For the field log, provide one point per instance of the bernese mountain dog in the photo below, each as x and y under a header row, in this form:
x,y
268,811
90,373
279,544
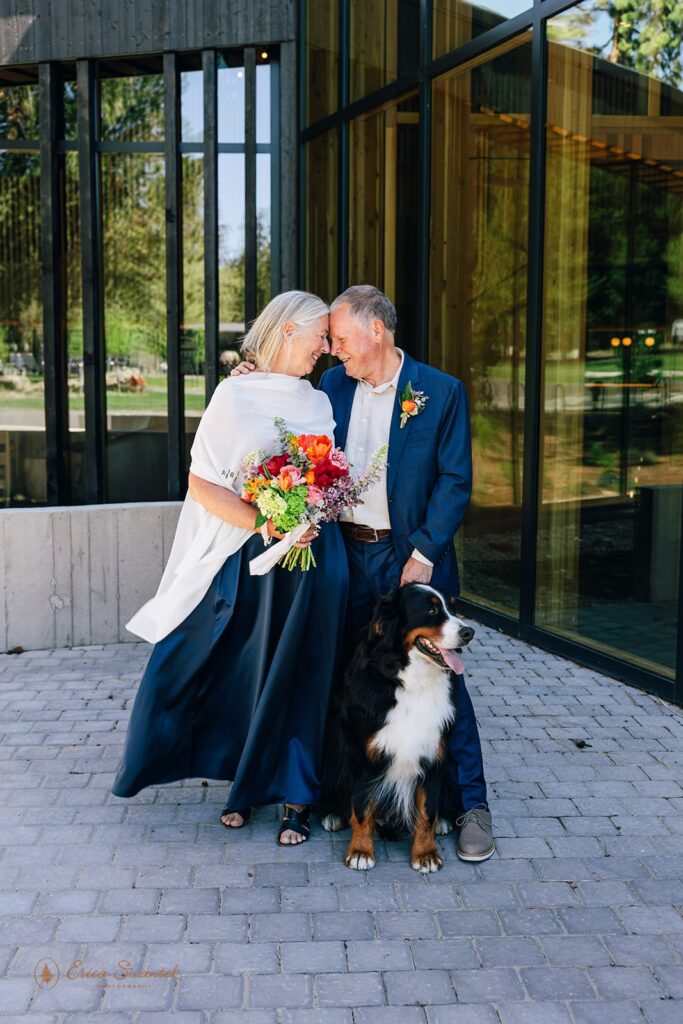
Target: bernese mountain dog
x,y
389,727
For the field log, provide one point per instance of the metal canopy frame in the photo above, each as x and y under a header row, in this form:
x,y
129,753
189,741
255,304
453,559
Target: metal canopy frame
x,y
535,18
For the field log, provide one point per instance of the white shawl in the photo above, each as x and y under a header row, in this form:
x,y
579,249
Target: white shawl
x,y
238,420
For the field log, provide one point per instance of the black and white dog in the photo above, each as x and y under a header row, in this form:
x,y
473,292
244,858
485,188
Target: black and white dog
x,y
389,727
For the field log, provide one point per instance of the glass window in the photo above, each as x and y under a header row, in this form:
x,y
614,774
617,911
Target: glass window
x,y
322,219
74,328
263,185
192,323
23,479
262,96
230,98
192,106
457,21
231,187
478,285
384,42
383,201
134,259
18,112
322,58
70,110
612,417
132,109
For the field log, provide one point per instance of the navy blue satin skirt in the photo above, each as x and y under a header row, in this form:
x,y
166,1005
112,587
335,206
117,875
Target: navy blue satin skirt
x,y
239,690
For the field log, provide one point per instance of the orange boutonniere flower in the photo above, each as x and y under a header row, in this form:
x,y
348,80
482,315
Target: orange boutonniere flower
x,y
412,403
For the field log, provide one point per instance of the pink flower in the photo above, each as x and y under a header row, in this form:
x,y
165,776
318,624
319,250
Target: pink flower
x,y
337,458
315,496
289,477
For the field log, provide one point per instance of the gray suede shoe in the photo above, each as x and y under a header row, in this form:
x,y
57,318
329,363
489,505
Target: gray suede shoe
x,y
475,841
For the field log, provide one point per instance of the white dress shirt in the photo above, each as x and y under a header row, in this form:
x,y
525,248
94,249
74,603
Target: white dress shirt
x,y
369,426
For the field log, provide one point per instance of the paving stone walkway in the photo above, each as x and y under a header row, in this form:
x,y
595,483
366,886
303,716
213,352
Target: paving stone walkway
x,y
577,918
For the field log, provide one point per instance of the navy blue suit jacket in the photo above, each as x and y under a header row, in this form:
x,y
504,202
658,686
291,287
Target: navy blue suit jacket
x,y
429,471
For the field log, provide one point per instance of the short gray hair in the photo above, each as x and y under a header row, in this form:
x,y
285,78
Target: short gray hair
x,y
367,303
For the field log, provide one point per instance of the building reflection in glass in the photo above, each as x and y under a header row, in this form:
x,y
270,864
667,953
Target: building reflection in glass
x,y
612,455
478,289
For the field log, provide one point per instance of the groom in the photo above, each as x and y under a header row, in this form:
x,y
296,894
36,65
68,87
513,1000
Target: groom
x,y
403,530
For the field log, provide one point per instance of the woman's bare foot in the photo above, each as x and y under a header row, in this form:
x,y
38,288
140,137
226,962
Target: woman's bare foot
x,y
233,819
289,836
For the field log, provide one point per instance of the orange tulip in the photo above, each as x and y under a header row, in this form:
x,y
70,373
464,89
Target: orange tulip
x,y
319,449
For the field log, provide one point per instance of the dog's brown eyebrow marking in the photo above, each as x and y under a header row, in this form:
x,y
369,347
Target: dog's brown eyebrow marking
x,y
435,599
426,631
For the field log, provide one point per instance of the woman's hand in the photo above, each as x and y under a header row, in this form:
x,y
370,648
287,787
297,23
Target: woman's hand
x,y
303,542
272,532
310,535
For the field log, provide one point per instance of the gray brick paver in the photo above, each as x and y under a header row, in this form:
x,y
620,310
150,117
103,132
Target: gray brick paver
x,y
578,917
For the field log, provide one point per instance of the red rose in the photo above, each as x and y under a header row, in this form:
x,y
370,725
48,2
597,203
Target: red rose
x,y
275,464
326,473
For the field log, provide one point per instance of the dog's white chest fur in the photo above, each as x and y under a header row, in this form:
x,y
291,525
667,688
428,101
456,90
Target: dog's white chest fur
x,y
412,731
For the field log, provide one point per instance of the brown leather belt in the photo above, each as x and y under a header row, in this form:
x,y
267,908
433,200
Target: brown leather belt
x,y
365,533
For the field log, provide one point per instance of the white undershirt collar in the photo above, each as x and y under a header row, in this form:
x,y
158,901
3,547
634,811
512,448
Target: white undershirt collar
x,y
393,383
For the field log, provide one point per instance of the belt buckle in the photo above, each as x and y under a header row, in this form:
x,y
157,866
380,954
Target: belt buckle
x,y
376,537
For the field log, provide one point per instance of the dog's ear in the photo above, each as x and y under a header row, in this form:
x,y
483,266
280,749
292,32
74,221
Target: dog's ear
x,y
385,616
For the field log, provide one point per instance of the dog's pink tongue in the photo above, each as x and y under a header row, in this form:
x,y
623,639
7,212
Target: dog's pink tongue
x,y
452,659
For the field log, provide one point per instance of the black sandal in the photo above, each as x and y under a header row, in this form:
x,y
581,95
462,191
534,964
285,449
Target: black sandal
x,y
294,821
246,815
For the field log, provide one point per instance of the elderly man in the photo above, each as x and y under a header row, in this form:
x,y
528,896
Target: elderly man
x,y
403,531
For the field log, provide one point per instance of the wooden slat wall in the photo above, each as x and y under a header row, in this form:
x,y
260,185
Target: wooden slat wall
x,y
44,30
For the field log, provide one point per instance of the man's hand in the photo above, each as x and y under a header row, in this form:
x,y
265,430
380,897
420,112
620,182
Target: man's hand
x,y
244,367
416,572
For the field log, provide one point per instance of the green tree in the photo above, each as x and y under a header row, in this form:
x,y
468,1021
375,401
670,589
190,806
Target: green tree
x,y
644,35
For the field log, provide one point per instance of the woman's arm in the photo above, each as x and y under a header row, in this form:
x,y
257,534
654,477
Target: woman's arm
x,y
222,503
228,506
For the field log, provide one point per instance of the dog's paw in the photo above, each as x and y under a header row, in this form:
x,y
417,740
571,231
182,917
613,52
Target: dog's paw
x,y
359,861
443,826
427,862
333,823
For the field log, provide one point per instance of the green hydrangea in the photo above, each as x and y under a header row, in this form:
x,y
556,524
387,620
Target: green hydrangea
x,y
270,503
294,511
286,508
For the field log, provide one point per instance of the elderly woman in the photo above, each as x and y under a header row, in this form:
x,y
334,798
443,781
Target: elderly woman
x,y
238,682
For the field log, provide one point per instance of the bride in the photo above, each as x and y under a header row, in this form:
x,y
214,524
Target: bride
x,y
238,682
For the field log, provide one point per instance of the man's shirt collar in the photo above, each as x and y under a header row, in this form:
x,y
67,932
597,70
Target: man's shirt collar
x,y
393,383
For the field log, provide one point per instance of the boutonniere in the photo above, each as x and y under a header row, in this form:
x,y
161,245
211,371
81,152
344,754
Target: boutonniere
x,y
412,403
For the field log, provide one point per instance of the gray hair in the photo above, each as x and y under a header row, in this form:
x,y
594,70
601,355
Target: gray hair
x,y
262,341
367,303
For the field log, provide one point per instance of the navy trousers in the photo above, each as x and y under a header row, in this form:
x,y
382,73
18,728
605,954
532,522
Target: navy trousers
x,y
374,570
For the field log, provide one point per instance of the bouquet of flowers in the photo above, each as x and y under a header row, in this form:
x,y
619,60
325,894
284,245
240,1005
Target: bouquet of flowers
x,y
307,483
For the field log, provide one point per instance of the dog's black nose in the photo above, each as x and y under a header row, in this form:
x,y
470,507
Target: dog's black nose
x,y
466,634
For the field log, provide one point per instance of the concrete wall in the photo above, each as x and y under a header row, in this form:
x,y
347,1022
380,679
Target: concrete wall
x,y
75,576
